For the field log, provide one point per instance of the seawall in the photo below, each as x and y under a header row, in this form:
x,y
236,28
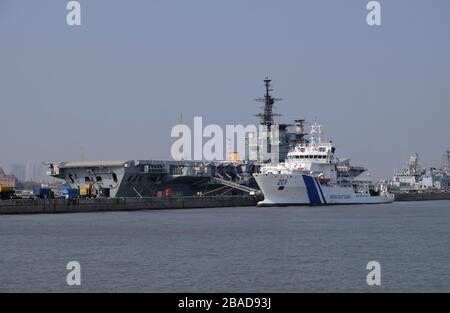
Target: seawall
x,y
426,196
37,206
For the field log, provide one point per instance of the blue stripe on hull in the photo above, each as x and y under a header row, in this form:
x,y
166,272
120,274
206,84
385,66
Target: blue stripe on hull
x,y
321,192
311,188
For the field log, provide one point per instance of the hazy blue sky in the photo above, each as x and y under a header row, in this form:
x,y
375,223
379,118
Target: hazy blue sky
x,y
116,84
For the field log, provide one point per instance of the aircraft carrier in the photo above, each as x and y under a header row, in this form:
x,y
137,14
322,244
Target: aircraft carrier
x,y
148,178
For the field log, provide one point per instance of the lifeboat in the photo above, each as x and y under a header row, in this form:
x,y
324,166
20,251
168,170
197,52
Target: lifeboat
x,y
324,181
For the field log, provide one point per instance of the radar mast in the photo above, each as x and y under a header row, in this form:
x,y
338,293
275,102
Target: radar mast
x,y
267,115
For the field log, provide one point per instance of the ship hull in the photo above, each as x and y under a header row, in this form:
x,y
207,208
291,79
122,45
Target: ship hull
x,y
300,189
152,178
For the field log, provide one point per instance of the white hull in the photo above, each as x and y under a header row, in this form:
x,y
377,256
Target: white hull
x,y
300,189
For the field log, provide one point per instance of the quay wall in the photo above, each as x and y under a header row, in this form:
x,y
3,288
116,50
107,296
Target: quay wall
x,y
36,206
426,196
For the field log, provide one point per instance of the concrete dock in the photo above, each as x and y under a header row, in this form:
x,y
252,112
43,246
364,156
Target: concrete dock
x,y
37,206
425,196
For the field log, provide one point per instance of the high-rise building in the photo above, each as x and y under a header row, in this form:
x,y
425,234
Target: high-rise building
x,y
19,170
34,172
446,162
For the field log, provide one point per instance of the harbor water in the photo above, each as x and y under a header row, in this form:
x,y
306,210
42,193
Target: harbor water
x,y
294,249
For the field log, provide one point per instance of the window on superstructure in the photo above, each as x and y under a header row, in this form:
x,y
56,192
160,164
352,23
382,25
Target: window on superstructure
x,y
114,176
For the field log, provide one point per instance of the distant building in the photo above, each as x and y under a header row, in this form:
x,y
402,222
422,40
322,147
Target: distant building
x,y
446,162
7,180
19,170
34,172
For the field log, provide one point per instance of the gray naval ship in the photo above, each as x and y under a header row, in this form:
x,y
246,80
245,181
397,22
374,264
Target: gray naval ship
x,y
150,178
414,178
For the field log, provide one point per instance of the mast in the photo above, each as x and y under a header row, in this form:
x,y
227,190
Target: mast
x,y
267,115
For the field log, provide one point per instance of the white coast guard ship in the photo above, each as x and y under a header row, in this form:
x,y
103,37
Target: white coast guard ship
x,y
312,175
